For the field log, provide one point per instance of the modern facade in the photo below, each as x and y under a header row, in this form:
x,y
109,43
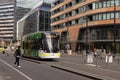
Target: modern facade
x,y
87,23
38,19
7,8
20,12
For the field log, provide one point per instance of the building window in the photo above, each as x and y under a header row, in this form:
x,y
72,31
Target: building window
x,y
100,5
108,4
68,5
73,2
73,13
108,15
103,4
117,15
118,33
73,22
112,15
77,1
97,5
117,2
77,21
76,11
100,16
104,16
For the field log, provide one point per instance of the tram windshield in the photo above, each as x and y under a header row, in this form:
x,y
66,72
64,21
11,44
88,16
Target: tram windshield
x,y
52,42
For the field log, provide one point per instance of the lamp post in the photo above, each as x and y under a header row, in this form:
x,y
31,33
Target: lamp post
x,y
87,45
68,45
114,27
67,29
87,36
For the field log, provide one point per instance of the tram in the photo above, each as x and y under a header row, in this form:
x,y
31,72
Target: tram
x,y
44,45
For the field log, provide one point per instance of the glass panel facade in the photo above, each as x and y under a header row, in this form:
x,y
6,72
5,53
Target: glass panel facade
x,y
100,36
106,16
37,19
103,4
44,20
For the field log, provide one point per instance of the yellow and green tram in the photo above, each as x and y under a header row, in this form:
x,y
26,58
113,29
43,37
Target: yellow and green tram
x,y
44,45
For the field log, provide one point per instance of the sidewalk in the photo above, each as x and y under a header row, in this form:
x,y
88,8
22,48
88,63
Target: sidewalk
x,y
1,78
89,70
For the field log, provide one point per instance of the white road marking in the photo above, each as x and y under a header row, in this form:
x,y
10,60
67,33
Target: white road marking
x,y
93,65
16,70
8,77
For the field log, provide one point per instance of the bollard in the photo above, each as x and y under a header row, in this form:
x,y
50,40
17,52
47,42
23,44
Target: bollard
x,y
96,61
89,58
108,59
69,52
118,58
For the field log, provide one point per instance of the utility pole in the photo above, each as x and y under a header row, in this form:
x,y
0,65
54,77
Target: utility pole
x,y
114,27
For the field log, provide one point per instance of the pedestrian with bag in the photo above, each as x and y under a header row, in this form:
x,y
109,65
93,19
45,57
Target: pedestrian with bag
x,y
17,55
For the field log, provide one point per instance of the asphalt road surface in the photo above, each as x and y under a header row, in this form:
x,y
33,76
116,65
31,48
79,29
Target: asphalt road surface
x,y
32,71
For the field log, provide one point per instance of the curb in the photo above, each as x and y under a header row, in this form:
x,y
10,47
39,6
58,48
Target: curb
x,y
82,73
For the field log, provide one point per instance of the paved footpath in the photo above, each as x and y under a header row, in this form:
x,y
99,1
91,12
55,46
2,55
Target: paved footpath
x,y
90,70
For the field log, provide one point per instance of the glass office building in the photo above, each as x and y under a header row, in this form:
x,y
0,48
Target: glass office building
x,y
38,19
88,23
7,8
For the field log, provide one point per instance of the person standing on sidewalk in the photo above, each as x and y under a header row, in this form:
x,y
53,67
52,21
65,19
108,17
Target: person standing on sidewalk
x,y
103,54
17,55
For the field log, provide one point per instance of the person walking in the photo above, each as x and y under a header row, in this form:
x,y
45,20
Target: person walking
x,y
17,55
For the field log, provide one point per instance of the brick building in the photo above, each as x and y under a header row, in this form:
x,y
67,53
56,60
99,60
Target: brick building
x,y
88,23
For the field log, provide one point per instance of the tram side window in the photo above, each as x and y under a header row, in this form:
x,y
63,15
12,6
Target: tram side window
x,y
36,44
45,45
26,45
55,44
40,45
23,45
33,44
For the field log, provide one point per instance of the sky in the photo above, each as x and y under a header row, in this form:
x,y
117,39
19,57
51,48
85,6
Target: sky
x,y
30,3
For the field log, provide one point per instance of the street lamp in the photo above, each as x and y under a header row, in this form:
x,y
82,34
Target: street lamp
x,y
87,35
68,45
114,27
67,29
87,45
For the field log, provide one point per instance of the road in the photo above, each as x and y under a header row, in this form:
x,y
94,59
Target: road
x,y
32,71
